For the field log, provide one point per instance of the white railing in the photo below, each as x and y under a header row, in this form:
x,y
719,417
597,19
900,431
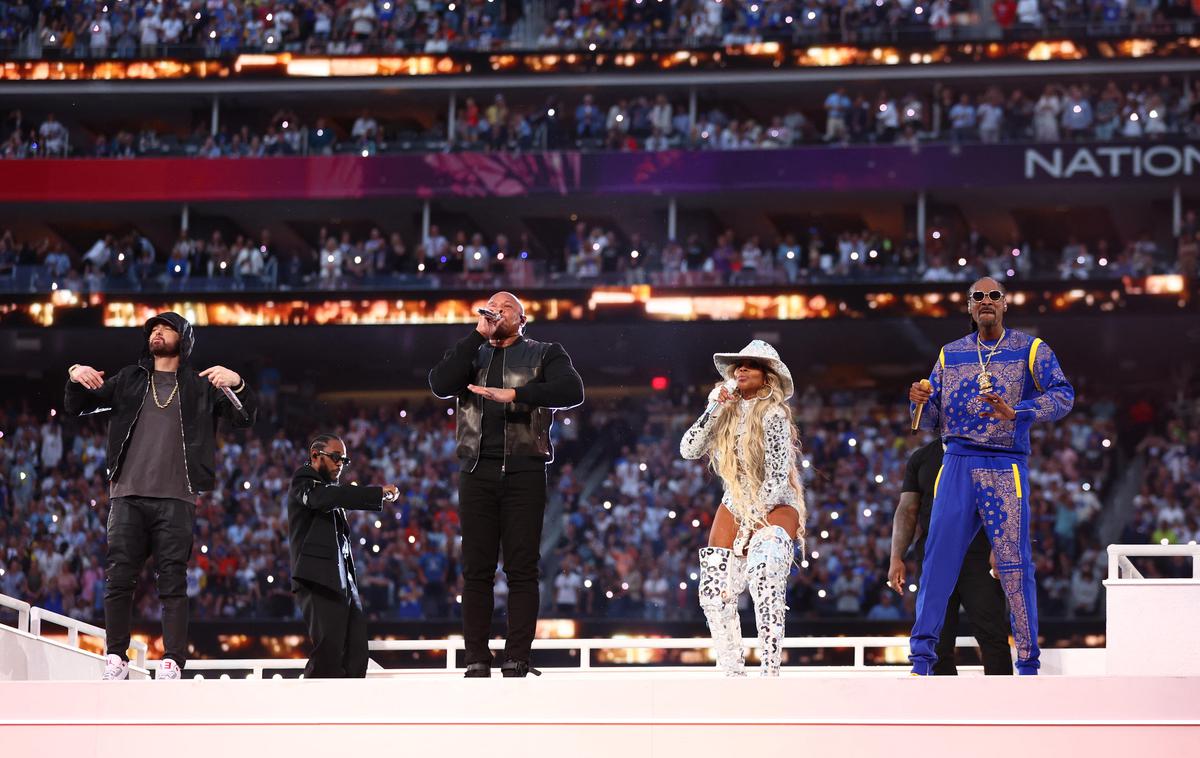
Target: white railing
x,y
258,666
74,627
1121,568
22,609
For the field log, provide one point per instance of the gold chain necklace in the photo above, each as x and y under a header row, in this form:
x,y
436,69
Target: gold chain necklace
x,y
985,378
154,391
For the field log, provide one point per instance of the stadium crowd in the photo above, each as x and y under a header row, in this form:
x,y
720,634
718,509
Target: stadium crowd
x,y
127,29
592,254
627,529
1163,108
341,259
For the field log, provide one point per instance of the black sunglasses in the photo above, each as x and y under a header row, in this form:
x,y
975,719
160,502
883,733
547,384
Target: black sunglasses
x,y
334,457
994,295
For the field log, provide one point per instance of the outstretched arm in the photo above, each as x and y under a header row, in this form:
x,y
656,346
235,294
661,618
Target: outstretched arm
x,y
323,497
88,391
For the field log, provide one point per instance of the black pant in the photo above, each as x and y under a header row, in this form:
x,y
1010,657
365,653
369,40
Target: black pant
x,y
983,598
337,629
137,528
500,511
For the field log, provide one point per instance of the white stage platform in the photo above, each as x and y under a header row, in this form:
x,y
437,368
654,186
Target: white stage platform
x,y
1139,696
603,715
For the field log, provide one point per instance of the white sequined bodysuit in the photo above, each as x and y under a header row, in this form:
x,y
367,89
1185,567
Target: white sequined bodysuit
x,y
776,488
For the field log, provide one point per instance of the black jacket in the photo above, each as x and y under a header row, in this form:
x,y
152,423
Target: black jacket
x,y
544,380
201,406
317,527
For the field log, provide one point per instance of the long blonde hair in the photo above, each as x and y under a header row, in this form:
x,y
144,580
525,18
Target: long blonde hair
x,y
742,485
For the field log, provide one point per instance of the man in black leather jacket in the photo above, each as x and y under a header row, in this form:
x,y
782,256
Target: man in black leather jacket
x,y
506,388
323,575
161,453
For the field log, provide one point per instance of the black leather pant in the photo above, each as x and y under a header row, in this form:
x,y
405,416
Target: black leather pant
x,y
500,511
139,527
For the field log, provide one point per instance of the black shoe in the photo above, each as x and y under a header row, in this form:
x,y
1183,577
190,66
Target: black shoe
x,y
518,668
478,670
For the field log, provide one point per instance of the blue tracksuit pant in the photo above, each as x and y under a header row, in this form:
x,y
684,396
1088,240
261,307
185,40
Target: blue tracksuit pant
x,y
978,489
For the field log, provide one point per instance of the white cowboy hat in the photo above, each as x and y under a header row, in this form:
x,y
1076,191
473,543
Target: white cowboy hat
x,y
759,352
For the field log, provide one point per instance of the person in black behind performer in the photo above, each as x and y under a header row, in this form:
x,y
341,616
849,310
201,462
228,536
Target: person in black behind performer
x,y
977,590
507,388
161,454
323,574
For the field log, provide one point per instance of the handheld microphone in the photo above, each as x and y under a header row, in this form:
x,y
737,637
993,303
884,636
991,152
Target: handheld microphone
x,y
233,398
489,315
916,422
730,385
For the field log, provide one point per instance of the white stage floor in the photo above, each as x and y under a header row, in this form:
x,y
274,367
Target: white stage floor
x,y
605,715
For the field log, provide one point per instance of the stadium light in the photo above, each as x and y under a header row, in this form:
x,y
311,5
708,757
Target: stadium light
x,y
820,593
824,534
867,512
815,554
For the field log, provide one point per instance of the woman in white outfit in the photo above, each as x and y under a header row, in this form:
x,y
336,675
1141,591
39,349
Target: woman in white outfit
x,y
752,444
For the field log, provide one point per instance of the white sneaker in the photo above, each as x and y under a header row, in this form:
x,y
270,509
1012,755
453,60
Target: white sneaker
x,y
168,669
116,668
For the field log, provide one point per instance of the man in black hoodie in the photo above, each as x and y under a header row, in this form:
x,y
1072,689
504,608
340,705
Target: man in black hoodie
x,y
323,575
162,424
506,388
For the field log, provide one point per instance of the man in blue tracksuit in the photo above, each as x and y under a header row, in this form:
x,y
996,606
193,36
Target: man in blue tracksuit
x,y
985,391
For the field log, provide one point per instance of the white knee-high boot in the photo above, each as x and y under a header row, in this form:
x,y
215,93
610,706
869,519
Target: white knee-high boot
x,y
722,579
767,564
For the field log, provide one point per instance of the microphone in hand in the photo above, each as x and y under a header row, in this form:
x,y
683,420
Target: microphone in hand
x,y
919,393
729,387
233,399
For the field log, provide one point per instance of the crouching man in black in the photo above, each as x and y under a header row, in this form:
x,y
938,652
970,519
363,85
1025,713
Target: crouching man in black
x,y
323,575
507,388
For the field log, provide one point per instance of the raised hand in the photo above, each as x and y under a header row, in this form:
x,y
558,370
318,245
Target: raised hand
x,y
486,326
220,376
88,377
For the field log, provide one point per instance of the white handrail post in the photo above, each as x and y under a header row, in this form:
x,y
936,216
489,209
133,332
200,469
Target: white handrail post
x,y
73,636
860,655
1114,571
35,621
585,656
451,654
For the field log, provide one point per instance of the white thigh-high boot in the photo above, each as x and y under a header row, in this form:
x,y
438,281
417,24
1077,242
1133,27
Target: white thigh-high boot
x,y
722,579
767,564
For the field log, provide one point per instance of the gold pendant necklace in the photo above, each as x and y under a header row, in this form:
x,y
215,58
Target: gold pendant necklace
x,y
154,391
985,378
